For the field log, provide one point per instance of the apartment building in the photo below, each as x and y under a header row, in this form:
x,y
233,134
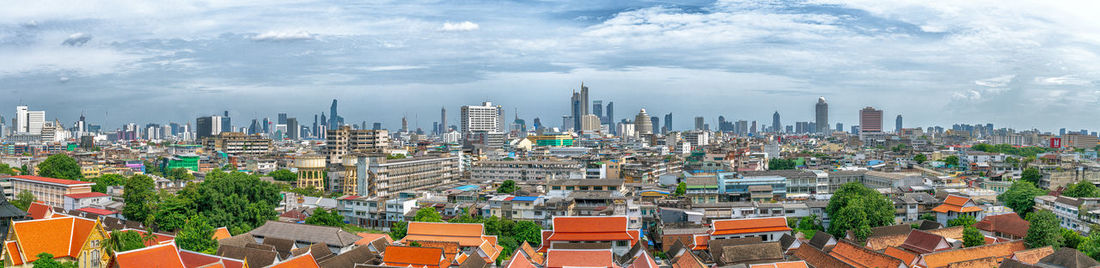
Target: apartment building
x,y
345,140
236,143
50,191
525,170
379,176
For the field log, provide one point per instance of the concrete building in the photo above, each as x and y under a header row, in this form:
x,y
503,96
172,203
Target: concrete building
x,y
525,170
50,191
379,176
821,115
345,140
237,143
870,123
642,124
311,170
482,118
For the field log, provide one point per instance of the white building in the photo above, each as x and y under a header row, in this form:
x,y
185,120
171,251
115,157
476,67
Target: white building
x,y
485,118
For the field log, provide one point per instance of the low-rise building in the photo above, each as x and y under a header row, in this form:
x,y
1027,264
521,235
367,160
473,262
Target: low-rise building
x,y
50,191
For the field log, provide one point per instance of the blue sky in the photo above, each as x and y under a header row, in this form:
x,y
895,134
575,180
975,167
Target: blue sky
x,y
1015,64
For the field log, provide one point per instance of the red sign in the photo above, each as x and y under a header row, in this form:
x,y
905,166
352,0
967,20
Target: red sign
x,y
1056,143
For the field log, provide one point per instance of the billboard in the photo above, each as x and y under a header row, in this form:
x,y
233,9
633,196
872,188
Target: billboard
x,y
1056,143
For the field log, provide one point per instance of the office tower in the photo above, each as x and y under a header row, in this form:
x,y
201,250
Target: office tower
x,y
481,118
442,120
870,121
537,124
699,123
29,121
610,118
566,122
584,99
668,123
334,119
314,128
2,126
597,108
282,119
897,124
654,121
776,126
376,126
267,125
752,129
855,130
293,131
204,127
821,112
590,124
404,124
1062,132
254,127
21,120
226,125
839,127
643,125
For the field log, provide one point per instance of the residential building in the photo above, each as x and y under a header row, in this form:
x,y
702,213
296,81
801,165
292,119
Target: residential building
x,y
50,191
821,116
344,140
69,239
237,143
525,170
954,206
379,176
870,123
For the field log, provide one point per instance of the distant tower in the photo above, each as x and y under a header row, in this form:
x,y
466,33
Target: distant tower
x,y
442,120
597,108
897,124
870,121
610,111
668,123
404,124
699,121
821,112
334,119
643,125
776,126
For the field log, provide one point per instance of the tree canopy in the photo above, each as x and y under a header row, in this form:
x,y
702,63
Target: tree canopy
x,y
858,208
235,200
325,217
1009,149
60,166
972,237
680,189
283,175
428,214
127,240
398,230
781,164
45,260
1081,189
6,169
507,187
920,158
180,174
106,180
962,220
1043,230
951,161
1020,197
197,235
23,200
140,197
1031,175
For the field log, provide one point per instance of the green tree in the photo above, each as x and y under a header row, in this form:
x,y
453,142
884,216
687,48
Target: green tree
x,y
507,187
1081,189
780,164
45,260
1043,230
680,189
1070,238
6,169
920,158
23,200
172,213
1012,161
235,200
60,166
858,208
140,197
106,180
126,240
927,216
1031,175
283,175
428,214
1090,245
398,230
197,235
23,170
972,237
528,231
951,161
326,218
180,174
1020,197
962,220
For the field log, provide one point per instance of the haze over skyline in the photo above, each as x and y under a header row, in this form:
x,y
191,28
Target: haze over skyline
x,y
1021,65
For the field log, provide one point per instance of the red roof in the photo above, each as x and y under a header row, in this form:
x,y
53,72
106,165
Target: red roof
x,y
957,204
52,180
97,211
413,257
557,258
1010,223
166,256
301,261
39,210
748,226
86,195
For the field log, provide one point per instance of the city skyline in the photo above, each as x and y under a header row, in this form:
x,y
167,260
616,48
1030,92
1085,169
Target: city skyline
x,y
937,64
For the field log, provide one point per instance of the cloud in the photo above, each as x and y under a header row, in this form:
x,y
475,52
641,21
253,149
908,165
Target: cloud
x,y
394,68
1062,80
283,36
464,26
77,39
999,81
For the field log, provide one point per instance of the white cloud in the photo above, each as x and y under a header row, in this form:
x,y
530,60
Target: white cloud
x,y
1062,80
283,36
393,68
999,81
77,39
464,26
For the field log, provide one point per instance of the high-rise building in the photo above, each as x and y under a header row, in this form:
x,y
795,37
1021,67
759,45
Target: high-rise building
x,y
776,126
590,124
27,121
870,121
668,123
267,125
226,125
344,140
253,128
404,124
643,125
482,118
204,127
293,130
597,109
442,120
584,99
654,121
610,118
821,115
282,119
314,129
897,124
699,123
752,129
334,119
839,127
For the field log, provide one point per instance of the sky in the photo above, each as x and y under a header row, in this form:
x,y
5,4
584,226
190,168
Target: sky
x,y
1019,64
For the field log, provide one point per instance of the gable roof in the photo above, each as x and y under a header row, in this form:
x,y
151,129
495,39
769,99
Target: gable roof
x,y
221,233
301,261
750,225
944,258
592,228
530,253
466,234
749,253
60,237
1032,256
333,236
198,259
473,263
1009,223
902,229
922,242
817,258
358,255
52,181
786,264
164,256
413,256
957,203
557,258
39,210
254,257
858,256
520,261
1069,258
821,240
718,247
319,251
644,261
688,260
905,256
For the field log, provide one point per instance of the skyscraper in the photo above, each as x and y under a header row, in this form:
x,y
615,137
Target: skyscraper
x,y
610,118
576,109
404,124
776,126
584,99
597,109
204,127
654,121
482,118
897,124
293,131
821,112
226,125
267,125
334,119
668,123
699,123
442,120
282,119
870,121
643,125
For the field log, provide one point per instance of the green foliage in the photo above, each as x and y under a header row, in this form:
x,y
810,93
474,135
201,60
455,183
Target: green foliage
x,y
308,191
23,200
1081,189
106,180
197,235
428,214
962,220
780,164
1090,245
45,260
23,170
140,198
900,148
236,200
1012,161
180,174
920,158
1009,149
172,213
857,208
1043,230
395,156
808,226
527,231
414,244
507,187
126,240
927,216
60,166
6,169
1071,238
326,218
398,230
284,175
1031,175
951,161
680,189
1020,197
972,237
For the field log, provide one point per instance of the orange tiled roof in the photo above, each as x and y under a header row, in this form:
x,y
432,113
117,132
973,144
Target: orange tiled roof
x,y
369,237
13,250
944,258
788,264
39,210
52,180
193,259
492,250
557,258
413,256
700,242
466,234
532,255
904,256
646,261
1032,256
957,204
596,228
520,261
688,260
859,256
161,256
300,261
746,226
61,237
1009,223
221,233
